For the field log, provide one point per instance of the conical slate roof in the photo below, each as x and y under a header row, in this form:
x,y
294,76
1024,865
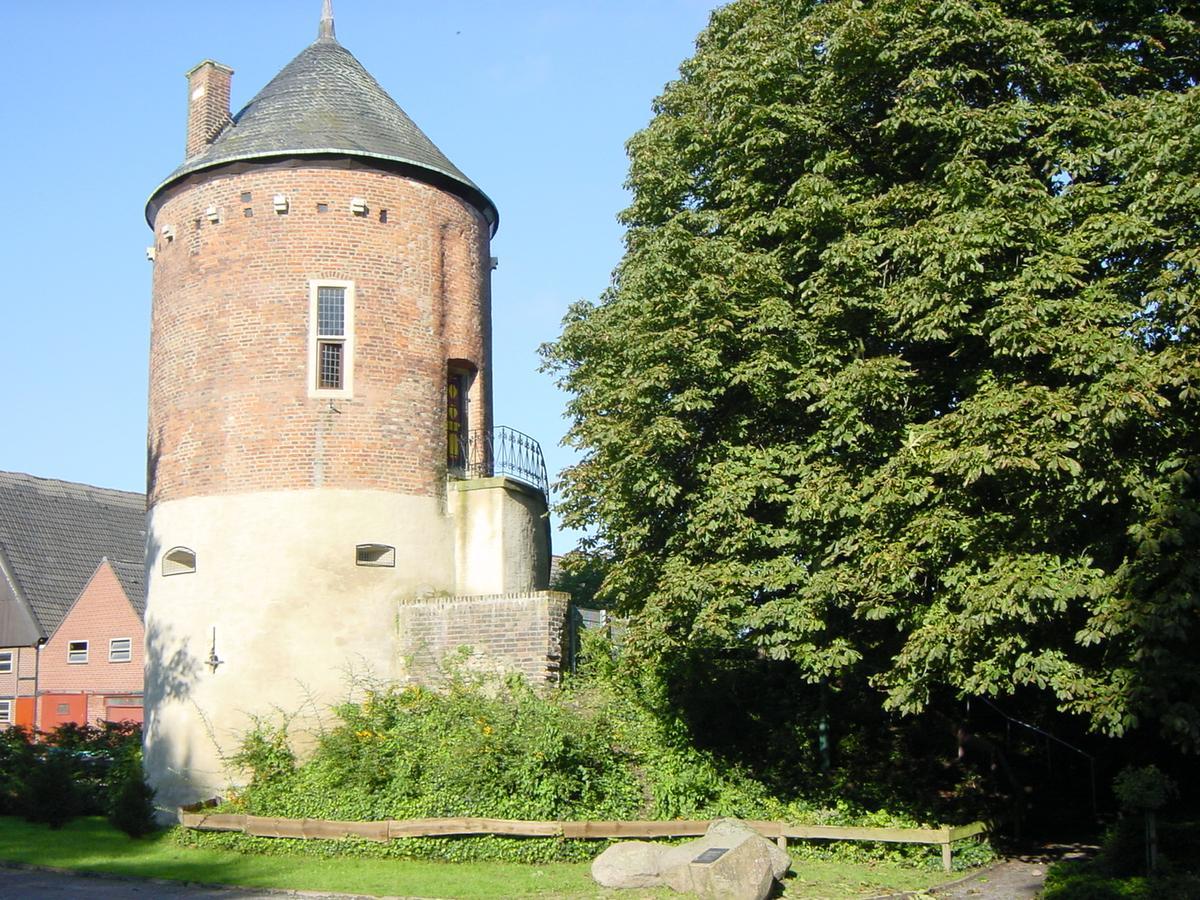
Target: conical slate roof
x,y
325,103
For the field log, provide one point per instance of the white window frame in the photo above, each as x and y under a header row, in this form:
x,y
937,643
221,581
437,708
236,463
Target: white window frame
x,y
6,661
120,656
6,712
315,340
74,650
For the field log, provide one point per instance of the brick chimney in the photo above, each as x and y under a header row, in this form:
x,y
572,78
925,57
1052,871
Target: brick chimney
x,y
208,104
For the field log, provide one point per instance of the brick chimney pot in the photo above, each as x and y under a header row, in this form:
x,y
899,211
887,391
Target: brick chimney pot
x,y
208,104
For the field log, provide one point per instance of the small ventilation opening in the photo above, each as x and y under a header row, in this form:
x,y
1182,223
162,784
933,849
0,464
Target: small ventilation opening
x,y
179,561
374,555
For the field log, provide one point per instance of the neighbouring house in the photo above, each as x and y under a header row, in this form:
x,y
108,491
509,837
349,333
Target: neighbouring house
x,y
72,597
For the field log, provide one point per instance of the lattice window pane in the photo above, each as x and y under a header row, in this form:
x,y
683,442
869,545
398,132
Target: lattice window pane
x,y
331,365
331,312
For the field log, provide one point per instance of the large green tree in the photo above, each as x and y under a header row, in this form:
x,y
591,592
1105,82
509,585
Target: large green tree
x,y
898,375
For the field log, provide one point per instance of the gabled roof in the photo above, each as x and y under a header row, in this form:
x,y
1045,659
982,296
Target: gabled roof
x,y
325,103
53,534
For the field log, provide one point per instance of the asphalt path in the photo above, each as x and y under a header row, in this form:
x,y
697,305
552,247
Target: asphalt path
x,y
57,884
1019,877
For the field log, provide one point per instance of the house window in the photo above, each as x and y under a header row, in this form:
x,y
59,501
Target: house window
x,y
6,661
179,561
77,651
5,712
331,338
120,650
374,555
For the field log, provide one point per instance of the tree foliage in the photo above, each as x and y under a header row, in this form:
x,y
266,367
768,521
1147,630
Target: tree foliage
x,y
898,375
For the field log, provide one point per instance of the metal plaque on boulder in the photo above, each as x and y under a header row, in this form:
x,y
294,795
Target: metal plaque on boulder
x,y
711,855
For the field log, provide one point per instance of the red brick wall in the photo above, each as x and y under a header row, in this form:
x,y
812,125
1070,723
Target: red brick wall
x,y
229,368
208,104
506,632
101,613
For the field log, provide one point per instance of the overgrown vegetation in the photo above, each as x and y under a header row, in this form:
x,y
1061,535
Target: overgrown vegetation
x,y
76,770
605,746
896,378
1119,871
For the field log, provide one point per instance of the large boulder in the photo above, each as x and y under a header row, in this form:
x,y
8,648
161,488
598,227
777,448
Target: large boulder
x,y
731,862
629,864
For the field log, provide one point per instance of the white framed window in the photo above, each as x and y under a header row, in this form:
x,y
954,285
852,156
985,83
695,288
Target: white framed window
x,y
77,652
330,338
6,661
120,650
5,712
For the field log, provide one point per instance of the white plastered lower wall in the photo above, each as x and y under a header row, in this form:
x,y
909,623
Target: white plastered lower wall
x,y
502,538
294,616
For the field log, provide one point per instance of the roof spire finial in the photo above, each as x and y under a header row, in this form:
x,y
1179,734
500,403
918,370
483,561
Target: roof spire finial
x,y
325,30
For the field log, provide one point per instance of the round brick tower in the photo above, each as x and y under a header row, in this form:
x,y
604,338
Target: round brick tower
x,y
320,354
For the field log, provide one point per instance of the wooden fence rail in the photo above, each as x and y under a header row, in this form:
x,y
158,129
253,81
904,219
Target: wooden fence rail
x,y
321,829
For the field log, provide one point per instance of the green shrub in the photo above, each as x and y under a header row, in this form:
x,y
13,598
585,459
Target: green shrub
x,y
1143,789
600,747
1118,869
17,759
50,795
65,773
92,752
130,799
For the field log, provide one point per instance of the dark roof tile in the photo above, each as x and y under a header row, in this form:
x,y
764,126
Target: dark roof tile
x,y
325,102
54,534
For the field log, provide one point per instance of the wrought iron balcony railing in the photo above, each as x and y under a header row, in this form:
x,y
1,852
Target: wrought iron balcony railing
x,y
500,451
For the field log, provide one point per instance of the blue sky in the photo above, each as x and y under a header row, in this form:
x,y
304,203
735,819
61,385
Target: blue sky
x,y
532,100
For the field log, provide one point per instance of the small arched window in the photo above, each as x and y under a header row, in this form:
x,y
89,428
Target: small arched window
x,y
374,555
179,561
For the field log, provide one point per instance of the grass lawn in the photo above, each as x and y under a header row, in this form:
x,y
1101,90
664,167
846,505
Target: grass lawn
x,y
92,845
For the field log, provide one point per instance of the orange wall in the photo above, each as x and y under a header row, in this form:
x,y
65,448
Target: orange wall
x,y
23,712
58,709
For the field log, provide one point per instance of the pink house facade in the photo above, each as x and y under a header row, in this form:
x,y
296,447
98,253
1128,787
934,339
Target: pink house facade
x,y
72,601
94,660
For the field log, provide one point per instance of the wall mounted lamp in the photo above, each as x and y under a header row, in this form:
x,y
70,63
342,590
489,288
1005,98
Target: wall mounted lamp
x,y
213,661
